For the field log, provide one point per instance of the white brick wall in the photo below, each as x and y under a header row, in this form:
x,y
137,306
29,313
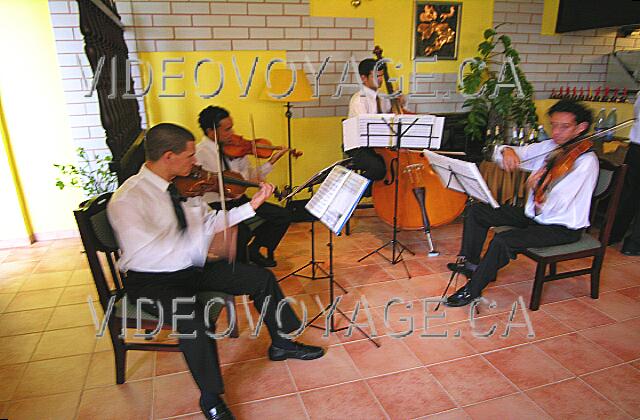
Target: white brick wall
x,y
575,59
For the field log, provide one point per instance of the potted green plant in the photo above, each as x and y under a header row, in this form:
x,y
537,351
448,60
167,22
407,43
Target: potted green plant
x,y
506,106
91,175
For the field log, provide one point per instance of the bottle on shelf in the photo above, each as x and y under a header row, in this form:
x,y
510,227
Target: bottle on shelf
x,y
496,136
533,136
574,95
610,121
581,95
560,93
521,141
623,97
605,95
542,135
596,95
553,94
614,95
599,125
514,137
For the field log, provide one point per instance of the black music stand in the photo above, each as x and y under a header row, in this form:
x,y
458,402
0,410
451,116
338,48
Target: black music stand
x,y
397,247
463,177
317,271
332,327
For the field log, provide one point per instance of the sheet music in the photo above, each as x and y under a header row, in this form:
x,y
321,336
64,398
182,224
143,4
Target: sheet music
x,y
313,180
467,179
337,197
380,130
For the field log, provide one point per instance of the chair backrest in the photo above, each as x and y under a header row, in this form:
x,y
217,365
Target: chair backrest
x,y
100,244
609,188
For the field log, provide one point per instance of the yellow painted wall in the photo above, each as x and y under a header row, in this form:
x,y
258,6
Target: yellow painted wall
x,y
394,30
550,17
318,138
34,112
15,227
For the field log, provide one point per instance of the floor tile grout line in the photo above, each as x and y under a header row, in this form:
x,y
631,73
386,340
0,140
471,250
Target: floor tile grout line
x,y
604,396
297,390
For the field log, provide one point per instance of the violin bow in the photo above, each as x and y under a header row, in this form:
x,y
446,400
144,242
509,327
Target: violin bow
x,y
595,135
253,144
223,204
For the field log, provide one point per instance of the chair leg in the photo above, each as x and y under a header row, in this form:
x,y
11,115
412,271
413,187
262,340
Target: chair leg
x,y
553,269
595,276
534,304
230,303
347,228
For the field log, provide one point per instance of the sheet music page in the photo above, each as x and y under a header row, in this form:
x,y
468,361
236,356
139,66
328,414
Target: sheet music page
x,y
467,179
327,192
380,130
334,209
345,202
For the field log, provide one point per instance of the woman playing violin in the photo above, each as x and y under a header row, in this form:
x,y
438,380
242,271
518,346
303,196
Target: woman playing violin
x,y
217,124
556,219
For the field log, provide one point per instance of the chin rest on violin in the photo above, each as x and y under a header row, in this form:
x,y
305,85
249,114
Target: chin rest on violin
x,y
201,181
238,146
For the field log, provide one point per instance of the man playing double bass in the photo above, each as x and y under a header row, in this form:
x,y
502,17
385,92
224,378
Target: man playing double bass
x,y
367,101
559,220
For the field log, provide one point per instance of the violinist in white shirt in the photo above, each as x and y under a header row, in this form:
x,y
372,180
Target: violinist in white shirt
x,y
217,125
559,220
164,240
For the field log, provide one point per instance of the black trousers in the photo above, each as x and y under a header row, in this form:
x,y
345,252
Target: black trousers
x,y
268,235
369,162
629,206
201,352
479,217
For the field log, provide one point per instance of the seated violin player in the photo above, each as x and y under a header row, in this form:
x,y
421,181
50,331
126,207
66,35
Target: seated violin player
x,y
164,240
558,219
217,125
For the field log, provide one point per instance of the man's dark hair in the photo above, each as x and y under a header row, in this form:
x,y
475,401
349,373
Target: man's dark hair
x,y
579,111
211,116
366,66
165,137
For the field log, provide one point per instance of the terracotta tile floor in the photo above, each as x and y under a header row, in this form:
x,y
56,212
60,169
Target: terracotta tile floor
x,y
582,362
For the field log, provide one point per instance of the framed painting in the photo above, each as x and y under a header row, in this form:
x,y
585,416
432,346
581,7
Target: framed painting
x,y
436,30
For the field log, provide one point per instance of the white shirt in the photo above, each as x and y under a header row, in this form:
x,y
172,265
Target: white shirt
x,y
207,156
569,201
634,134
364,102
145,224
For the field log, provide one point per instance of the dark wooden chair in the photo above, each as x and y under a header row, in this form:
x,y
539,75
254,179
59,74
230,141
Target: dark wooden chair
x,y
102,253
608,189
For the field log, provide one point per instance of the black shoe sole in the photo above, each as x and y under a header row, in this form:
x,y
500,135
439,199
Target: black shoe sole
x,y
306,356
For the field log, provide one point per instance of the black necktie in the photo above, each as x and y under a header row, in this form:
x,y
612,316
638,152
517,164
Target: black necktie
x,y
176,199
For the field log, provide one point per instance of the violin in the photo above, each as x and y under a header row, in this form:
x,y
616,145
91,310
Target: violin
x,y
561,162
238,146
201,181
557,167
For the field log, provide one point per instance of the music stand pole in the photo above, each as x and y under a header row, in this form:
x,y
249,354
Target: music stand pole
x,y
332,281
394,241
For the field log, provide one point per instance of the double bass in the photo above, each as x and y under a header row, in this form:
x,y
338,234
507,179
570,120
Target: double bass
x,y
420,190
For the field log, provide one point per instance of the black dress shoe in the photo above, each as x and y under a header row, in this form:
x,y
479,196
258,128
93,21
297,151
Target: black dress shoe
x,y
460,268
630,252
300,351
219,412
460,298
258,259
